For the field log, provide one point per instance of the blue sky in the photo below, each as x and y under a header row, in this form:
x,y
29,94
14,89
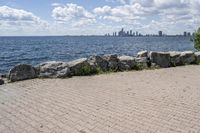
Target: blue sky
x,y
88,17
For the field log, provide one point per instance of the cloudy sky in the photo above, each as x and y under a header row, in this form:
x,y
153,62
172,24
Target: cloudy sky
x,y
97,17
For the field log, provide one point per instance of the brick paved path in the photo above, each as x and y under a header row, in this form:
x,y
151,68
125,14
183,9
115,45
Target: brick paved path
x,y
166,100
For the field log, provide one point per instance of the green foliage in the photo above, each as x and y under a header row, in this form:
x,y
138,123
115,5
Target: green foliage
x,y
172,64
89,70
139,66
197,40
86,70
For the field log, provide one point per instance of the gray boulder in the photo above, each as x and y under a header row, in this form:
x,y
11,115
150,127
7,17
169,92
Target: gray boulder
x,y
22,72
53,69
1,81
197,56
81,67
63,73
161,59
142,54
112,61
141,63
187,57
98,62
175,59
126,63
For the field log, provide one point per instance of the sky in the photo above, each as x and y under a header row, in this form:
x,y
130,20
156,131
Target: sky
x,y
97,17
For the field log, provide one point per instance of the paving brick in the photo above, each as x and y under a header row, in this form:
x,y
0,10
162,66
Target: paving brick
x,y
120,103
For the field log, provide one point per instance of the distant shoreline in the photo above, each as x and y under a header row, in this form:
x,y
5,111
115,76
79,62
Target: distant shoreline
x,y
99,36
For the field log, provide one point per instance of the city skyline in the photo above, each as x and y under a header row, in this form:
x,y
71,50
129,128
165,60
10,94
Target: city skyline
x,y
86,17
132,33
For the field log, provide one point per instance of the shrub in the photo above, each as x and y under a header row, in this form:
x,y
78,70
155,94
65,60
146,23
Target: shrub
x,y
197,40
87,70
139,66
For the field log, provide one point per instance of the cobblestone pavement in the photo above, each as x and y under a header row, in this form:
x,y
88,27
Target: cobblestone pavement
x,y
155,101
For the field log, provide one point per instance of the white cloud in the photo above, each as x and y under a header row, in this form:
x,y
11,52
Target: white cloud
x,y
73,14
56,4
120,1
127,13
15,20
170,15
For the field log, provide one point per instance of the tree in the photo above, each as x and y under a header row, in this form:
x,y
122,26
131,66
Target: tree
x,y
197,40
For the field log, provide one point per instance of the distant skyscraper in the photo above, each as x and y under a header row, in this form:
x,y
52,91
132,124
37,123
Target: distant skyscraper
x,y
131,32
127,33
160,33
185,33
188,34
136,33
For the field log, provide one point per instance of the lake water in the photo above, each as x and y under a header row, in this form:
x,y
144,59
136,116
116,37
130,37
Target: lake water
x,y
34,50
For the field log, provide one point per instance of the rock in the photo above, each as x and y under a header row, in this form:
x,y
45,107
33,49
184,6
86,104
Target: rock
x,y
162,59
197,56
22,72
81,67
112,61
64,73
142,54
187,57
51,66
53,69
1,82
142,63
98,62
3,75
126,63
175,58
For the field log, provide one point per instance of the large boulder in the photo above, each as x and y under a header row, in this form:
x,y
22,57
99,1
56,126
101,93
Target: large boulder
x,y
175,59
197,56
64,73
161,59
142,63
112,61
53,69
22,72
187,57
142,54
98,62
81,67
126,63
1,81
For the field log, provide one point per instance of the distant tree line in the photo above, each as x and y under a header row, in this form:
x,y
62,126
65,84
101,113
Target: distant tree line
x,y
197,40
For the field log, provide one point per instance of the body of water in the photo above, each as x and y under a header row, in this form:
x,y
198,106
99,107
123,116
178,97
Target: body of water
x,y
34,50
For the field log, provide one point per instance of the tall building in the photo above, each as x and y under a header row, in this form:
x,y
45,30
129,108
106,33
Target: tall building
x,y
121,33
160,33
184,33
131,32
127,33
188,34
115,33
136,33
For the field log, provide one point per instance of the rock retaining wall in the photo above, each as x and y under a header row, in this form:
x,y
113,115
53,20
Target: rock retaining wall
x,y
106,63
